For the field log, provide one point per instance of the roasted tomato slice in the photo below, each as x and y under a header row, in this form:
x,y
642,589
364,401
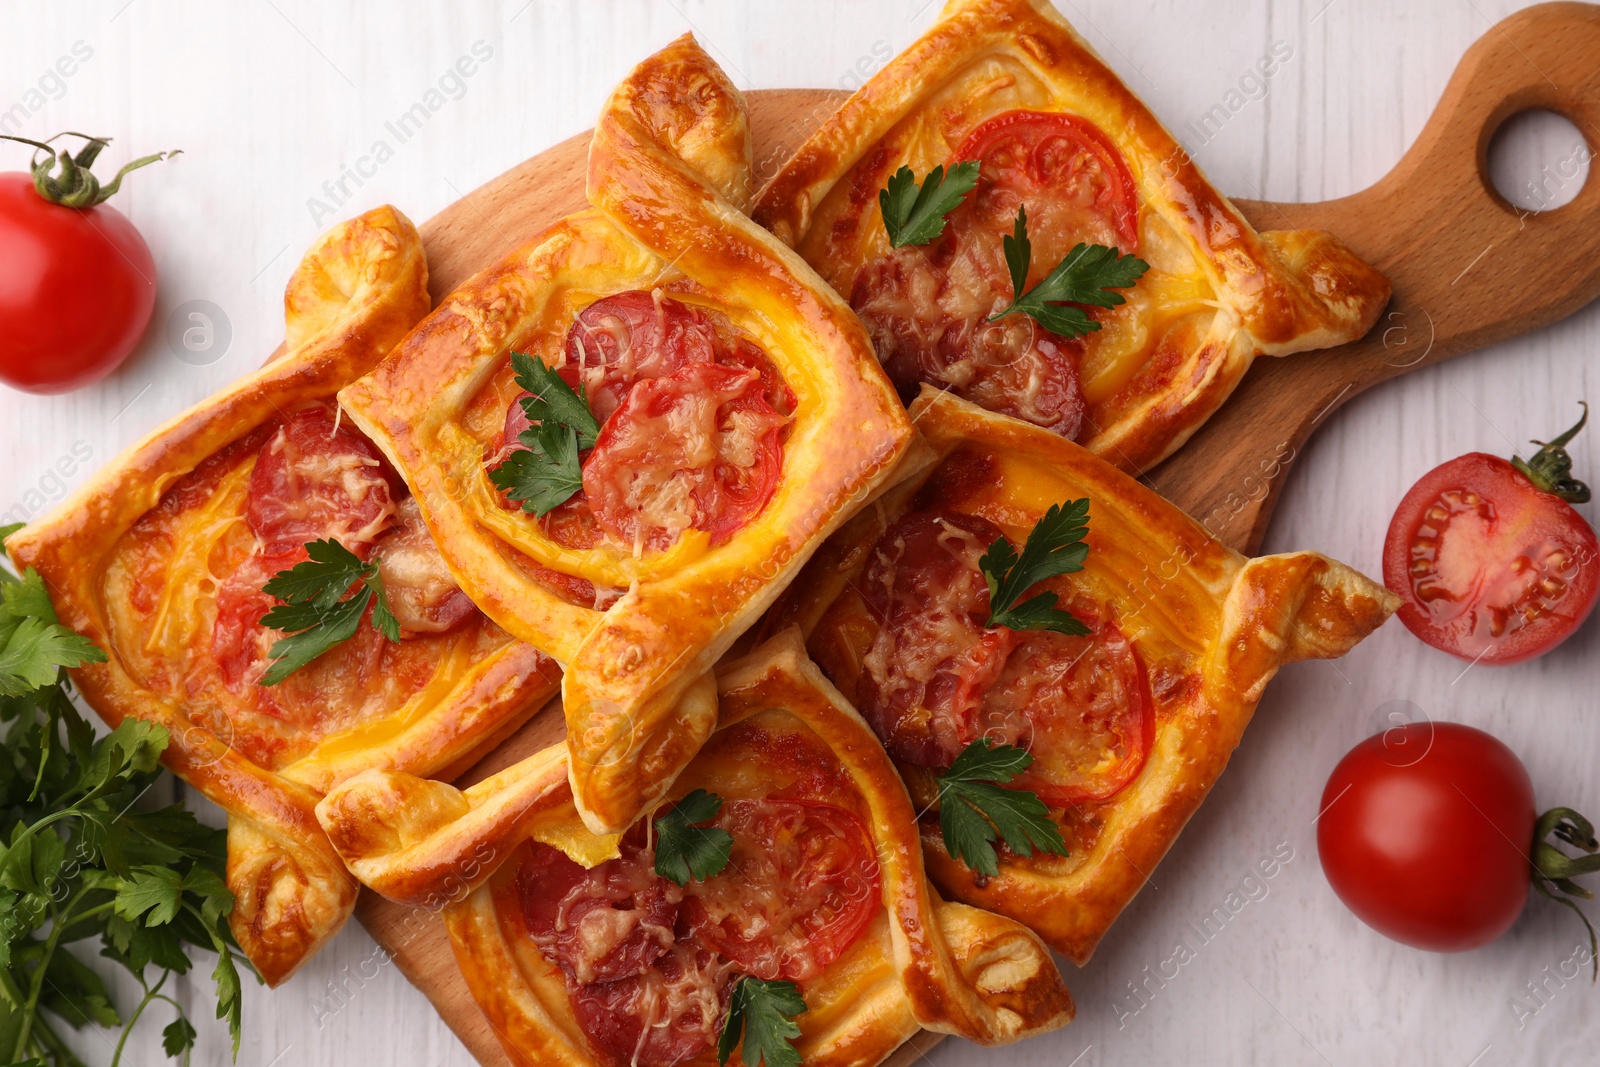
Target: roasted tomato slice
x,y
927,309
691,417
366,674
1490,566
1075,183
697,449
935,678
421,592
316,478
798,890
1081,705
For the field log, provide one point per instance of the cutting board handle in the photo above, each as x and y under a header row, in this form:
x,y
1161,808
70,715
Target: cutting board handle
x,y
1481,268
1468,267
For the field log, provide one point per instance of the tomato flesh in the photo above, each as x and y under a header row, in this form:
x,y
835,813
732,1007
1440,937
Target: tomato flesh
x,y
1488,566
927,308
799,888
936,678
1425,832
77,286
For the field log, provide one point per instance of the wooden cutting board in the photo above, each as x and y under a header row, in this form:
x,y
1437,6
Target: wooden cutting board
x,y
1468,270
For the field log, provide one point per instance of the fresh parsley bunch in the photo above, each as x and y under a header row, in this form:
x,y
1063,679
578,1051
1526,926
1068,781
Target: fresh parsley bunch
x,y
80,863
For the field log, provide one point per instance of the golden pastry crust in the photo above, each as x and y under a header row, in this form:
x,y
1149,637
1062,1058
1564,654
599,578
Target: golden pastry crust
x,y
1211,626
921,962
668,178
128,563
1218,293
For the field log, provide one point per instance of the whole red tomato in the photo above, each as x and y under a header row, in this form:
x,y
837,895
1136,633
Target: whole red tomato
x,y
1490,559
1428,833
77,282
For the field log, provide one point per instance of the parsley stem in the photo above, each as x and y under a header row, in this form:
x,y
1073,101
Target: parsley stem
x,y
150,994
45,1037
59,920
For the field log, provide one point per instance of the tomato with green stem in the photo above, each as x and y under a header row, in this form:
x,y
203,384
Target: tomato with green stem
x,y
1489,557
77,281
1429,834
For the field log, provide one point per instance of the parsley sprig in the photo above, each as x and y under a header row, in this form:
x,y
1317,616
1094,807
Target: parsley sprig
x,y
763,1011
317,612
82,861
915,216
685,850
1055,546
546,473
1088,275
975,809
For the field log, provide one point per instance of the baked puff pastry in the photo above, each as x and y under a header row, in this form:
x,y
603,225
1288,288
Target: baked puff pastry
x,y
581,955
1009,84
1129,726
160,560
736,415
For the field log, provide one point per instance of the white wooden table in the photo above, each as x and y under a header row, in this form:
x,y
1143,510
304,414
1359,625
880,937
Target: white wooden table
x,y
276,102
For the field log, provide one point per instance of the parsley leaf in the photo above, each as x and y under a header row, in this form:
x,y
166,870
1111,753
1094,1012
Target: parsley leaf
x,y
974,811
763,1011
553,399
1055,546
177,1037
685,850
315,609
1088,275
914,216
33,645
545,473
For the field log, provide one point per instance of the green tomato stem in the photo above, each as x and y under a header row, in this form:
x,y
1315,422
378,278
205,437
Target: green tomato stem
x,y
1553,869
74,184
1550,469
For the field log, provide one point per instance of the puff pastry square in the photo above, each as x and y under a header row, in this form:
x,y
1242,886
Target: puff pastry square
x,y
160,560
787,746
1129,727
638,614
1010,83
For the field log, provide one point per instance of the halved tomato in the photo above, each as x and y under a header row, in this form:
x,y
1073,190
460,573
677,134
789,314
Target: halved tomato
x,y
1491,566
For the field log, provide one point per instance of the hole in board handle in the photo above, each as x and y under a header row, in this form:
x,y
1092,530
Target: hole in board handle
x,y
1538,160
